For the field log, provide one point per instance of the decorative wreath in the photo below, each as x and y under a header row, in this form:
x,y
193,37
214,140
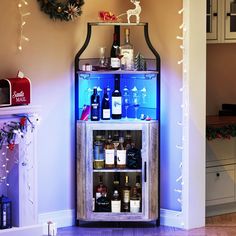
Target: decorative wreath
x,y
67,10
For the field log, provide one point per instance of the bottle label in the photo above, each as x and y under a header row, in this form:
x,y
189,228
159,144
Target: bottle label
x,y
127,61
109,156
134,206
115,206
106,114
121,157
95,111
115,62
98,195
116,105
126,196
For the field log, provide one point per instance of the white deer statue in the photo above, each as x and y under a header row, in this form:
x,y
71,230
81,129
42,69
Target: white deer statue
x,y
133,12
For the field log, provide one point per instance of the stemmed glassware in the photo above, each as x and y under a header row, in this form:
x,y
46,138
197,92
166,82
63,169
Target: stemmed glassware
x,y
126,100
136,102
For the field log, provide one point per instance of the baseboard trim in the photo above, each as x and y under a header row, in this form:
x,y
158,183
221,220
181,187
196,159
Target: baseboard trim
x,y
66,218
220,209
171,218
62,218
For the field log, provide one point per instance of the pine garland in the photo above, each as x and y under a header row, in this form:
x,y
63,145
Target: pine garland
x,y
224,132
62,11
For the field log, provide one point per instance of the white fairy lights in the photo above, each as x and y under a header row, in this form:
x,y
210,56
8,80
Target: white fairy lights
x,y
23,16
184,107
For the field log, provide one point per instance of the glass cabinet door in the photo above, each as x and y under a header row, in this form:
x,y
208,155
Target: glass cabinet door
x,y
230,19
212,19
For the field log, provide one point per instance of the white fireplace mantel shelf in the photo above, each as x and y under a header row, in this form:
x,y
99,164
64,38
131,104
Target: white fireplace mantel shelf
x,y
19,110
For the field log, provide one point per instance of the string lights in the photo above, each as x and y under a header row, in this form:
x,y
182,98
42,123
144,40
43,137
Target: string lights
x,y
23,16
184,107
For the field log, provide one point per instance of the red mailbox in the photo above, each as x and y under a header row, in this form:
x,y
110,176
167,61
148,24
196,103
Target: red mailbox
x,y
15,91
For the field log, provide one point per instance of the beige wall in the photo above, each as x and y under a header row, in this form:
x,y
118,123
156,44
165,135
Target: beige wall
x,y
47,59
221,77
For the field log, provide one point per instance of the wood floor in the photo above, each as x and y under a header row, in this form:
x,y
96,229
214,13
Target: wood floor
x,y
224,225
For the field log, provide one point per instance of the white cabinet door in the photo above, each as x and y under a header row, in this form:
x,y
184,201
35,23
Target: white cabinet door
x,y
230,19
212,19
220,185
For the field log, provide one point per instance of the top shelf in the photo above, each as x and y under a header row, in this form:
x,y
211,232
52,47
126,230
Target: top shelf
x,y
116,24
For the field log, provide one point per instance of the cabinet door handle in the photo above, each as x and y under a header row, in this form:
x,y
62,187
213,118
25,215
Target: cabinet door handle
x,y
218,174
231,14
145,171
215,14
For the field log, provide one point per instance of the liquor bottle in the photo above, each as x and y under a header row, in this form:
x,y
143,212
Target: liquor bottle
x,y
127,52
103,203
133,158
115,202
138,185
109,153
98,153
116,100
121,154
134,201
116,181
100,188
128,141
95,105
106,111
126,195
115,60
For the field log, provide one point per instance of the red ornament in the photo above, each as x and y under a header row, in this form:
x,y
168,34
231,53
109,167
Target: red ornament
x,y
11,146
23,121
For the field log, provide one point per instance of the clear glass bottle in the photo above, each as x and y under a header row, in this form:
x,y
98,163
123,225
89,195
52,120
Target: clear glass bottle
x,y
127,52
115,202
126,195
109,153
98,153
135,200
121,154
128,140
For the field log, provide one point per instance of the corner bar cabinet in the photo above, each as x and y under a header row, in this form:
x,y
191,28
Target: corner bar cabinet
x,y
146,134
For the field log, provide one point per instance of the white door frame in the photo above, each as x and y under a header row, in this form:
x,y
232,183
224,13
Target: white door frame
x,y
194,114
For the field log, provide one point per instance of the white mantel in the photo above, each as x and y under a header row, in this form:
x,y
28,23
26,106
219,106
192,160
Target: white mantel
x,y
23,177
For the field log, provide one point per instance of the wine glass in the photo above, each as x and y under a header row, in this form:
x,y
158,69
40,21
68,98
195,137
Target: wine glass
x,y
135,97
126,100
144,95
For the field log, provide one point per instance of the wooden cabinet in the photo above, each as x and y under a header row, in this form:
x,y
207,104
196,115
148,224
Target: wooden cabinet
x,y
221,21
146,138
145,134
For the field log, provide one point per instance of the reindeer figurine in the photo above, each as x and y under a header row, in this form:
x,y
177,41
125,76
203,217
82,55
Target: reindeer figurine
x,y
133,12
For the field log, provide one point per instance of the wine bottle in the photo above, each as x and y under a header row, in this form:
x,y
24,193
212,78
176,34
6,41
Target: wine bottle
x,y
127,52
121,154
115,202
115,60
106,111
116,100
109,153
134,201
126,195
103,203
95,105
100,188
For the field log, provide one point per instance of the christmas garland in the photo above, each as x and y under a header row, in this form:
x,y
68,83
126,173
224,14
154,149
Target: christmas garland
x,y
224,132
66,11
11,130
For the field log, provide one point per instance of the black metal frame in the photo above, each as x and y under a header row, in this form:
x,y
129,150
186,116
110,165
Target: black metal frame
x,y
158,68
